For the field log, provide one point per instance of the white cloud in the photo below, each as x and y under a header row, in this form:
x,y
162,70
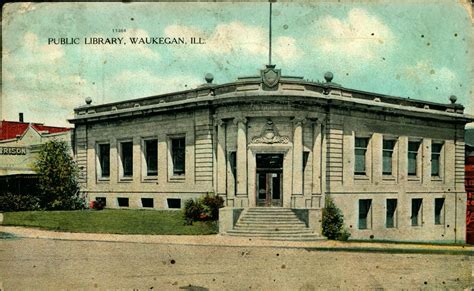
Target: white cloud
x,y
238,39
424,71
359,35
286,50
42,53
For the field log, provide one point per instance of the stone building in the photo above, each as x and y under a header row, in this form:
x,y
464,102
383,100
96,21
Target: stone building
x,y
394,166
20,141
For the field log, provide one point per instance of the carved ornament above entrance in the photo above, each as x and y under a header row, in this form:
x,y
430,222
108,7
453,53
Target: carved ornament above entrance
x,y
270,135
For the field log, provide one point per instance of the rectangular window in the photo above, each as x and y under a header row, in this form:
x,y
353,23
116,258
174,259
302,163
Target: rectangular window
x,y
122,202
360,149
413,147
126,157
104,160
435,158
151,157
147,202
439,211
178,154
364,213
416,210
390,221
387,155
173,203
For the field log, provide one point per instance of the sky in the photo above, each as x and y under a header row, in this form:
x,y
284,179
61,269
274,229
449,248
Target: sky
x,y
416,49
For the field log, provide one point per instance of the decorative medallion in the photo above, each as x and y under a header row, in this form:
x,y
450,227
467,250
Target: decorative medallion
x,y
270,135
270,76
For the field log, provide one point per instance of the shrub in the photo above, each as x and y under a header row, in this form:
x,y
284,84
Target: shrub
x,y
333,222
18,202
204,208
192,210
211,204
97,204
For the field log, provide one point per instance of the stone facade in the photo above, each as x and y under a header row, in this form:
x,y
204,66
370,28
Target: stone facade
x,y
286,143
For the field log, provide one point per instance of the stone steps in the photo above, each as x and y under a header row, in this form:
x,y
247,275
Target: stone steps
x,y
274,224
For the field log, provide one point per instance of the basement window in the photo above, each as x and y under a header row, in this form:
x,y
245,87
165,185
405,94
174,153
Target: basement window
x,y
147,202
122,202
174,203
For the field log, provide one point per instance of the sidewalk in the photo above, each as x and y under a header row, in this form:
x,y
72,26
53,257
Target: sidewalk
x,y
228,241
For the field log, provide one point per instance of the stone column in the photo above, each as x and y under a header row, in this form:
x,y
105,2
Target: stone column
x,y
221,158
241,123
317,141
298,155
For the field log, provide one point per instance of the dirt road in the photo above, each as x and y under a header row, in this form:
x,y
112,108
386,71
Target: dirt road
x,y
55,264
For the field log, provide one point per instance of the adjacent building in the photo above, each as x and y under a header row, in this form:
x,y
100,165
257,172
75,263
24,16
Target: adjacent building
x,y
19,141
394,166
19,144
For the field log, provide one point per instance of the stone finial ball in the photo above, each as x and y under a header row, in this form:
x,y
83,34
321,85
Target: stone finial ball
x,y
453,99
328,76
88,100
209,78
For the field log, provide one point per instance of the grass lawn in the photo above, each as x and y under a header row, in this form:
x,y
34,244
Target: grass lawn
x,y
111,221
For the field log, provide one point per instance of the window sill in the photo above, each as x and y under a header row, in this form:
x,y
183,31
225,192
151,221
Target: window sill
x,y
126,179
103,180
177,179
150,178
361,177
388,178
436,178
413,178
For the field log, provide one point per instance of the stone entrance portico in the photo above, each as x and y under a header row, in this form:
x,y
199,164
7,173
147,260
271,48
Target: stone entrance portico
x,y
297,140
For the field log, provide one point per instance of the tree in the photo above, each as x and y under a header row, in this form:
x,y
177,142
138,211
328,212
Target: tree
x,y
58,174
333,222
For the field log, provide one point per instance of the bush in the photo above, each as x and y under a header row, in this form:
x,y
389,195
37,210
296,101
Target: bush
x,y
18,202
211,204
204,208
97,204
58,173
192,210
333,222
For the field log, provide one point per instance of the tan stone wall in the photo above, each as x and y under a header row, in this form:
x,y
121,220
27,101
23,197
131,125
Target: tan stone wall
x,y
196,127
347,189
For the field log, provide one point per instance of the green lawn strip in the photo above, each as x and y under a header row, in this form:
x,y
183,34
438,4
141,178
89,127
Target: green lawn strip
x,y
111,221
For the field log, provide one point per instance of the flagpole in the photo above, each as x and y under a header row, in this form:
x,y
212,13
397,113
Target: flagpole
x,y
270,36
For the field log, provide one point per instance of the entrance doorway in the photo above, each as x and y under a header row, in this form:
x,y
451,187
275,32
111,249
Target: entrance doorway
x,y
269,180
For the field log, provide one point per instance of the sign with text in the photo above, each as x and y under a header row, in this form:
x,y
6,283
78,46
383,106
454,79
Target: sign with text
x,y
12,151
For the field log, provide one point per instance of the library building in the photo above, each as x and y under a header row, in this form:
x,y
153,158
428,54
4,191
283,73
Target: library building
x,y
274,147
